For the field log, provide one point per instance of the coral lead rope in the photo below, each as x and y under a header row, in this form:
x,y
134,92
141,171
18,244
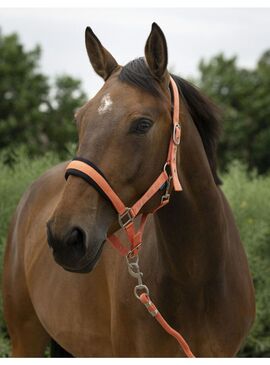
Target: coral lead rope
x,y
86,170
144,298
141,292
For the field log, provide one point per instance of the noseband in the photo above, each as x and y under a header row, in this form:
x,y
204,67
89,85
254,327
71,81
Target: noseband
x,y
90,173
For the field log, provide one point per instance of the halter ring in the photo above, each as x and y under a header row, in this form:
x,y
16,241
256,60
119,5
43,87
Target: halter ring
x,y
140,287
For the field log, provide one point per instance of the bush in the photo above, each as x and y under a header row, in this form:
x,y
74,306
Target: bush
x,y
13,182
249,196
35,112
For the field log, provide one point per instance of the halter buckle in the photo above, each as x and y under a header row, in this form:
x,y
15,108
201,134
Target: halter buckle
x,y
166,196
125,218
176,134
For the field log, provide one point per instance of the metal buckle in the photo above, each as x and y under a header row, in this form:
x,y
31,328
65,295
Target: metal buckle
x,y
126,218
176,134
166,196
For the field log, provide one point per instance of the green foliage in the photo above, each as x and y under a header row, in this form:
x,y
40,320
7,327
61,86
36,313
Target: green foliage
x,y
249,196
4,344
34,113
13,182
22,90
59,130
244,97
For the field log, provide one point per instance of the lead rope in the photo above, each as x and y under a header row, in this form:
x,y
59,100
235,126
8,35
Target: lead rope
x,y
135,272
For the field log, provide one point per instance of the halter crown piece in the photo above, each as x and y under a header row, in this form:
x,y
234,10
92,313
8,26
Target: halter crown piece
x,y
90,173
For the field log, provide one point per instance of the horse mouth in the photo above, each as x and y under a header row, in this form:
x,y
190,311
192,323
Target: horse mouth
x,y
88,263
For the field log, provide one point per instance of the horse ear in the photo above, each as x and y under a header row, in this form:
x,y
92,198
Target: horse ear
x,y
156,53
101,60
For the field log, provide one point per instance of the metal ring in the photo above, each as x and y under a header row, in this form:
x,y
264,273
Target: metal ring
x,y
165,166
131,254
140,287
132,259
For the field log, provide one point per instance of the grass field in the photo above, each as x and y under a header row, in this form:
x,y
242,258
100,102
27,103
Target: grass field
x,y
249,196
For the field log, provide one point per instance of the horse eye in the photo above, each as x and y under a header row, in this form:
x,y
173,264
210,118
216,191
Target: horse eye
x,y
141,126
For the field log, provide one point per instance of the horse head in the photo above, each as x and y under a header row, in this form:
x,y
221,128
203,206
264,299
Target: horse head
x,y
124,130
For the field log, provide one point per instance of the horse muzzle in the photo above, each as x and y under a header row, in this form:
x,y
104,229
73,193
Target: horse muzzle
x,y
73,250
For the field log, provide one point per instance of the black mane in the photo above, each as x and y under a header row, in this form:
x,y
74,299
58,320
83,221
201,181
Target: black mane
x,y
203,112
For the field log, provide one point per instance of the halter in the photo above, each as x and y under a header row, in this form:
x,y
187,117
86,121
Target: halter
x,y
90,173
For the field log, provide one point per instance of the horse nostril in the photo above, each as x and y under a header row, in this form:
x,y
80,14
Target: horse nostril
x,y
69,245
76,240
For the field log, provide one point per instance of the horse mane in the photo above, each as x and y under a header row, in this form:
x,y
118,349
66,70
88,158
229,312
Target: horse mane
x,y
203,111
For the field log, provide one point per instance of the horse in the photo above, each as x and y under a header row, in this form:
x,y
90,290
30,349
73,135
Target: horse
x,y
64,283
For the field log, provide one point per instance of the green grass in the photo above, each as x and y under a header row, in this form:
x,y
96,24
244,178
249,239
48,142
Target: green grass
x,y
249,196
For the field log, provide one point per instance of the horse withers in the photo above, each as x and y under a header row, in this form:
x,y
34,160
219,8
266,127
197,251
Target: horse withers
x,y
64,282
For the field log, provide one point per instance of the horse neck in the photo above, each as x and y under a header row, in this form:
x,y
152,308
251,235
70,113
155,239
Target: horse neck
x,y
190,229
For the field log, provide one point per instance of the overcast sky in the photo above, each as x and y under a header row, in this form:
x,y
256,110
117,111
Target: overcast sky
x,y
191,34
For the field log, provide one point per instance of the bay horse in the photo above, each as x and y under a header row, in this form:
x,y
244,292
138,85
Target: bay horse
x,y
76,290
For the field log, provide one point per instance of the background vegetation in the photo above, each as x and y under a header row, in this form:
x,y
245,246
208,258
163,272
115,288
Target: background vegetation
x,y
36,131
243,96
13,182
34,111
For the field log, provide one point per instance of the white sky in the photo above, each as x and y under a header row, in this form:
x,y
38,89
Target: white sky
x,y
191,34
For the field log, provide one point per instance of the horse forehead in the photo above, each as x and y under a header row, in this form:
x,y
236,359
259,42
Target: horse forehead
x,y
120,98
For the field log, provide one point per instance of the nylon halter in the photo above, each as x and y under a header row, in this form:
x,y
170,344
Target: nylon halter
x,y
90,173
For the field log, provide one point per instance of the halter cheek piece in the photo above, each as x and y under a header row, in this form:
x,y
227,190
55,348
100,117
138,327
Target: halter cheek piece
x,y
90,173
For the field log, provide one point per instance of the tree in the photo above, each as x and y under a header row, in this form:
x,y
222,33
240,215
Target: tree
x,y
58,127
244,97
33,112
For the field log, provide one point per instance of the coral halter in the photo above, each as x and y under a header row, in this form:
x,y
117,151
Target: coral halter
x,y
90,173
